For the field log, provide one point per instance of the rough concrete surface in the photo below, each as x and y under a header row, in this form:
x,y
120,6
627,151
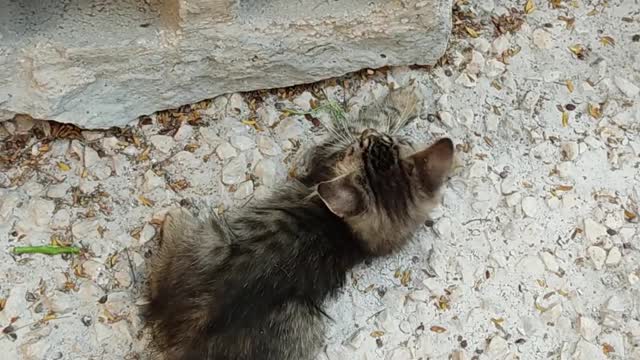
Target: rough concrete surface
x,y
534,254
103,64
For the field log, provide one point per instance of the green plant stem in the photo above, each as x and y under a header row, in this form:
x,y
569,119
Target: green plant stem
x,y
46,249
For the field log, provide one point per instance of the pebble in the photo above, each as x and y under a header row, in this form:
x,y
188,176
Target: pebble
x,y
23,123
242,143
237,104
268,116
266,171
61,219
163,143
587,351
497,348
466,79
542,39
530,206
494,68
549,261
148,232
184,133
467,117
476,64
481,44
267,146
594,231
588,328
244,190
235,171
110,145
92,136
500,44
614,257
597,255
209,135
356,339
226,151
289,128
303,101
570,150
152,181
446,118
58,191
627,87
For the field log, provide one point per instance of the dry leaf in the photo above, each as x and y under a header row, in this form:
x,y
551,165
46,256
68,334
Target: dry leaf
x,y
64,167
606,349
629,215
377,334
84,174
570,23
145,155
179,185
579,51
564,188
406,278
146,202
443,303
438,329
529,7
3,303
252,123
471,32
607,41
594,111
50,316
592,12
570,86
44,148
555,3
565,119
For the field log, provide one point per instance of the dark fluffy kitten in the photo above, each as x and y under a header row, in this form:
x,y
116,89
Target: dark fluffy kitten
x,y
253,287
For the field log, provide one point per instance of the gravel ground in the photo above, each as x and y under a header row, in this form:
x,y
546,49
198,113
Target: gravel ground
x,y
535,253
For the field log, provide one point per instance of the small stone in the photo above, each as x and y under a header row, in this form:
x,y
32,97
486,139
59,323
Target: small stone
x,y
467,80
356,339
476,64
266,171
147,233
61,219
163,143
481,44
92,136
289,128
549,261
594,231
226,151
587,351
514,199
242,143
494,68
152,181
237,104
542,39
62,303
627,87
235,171
268,116
588,328
500,44
244,190
58,191
597,256
91,157
614,257
110,145
497,348
209,135
267,146
446,118
184,133
487,5
123,278
303,101
530,206
23,123
467,117
570,150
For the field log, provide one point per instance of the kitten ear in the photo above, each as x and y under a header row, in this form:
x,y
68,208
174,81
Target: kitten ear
x,y
341,196
433,163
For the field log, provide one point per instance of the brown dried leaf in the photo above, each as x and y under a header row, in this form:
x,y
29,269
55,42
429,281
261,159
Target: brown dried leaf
x,y
252,123
593,12
64,167
406,278
570,23
564,188
594,111
144,155
179,185
529,7
555,3
471,32
443,303
377,333
191,147
570,86
607,349
3,303
146,202
438,329
607,41
565,119
579,51
629,215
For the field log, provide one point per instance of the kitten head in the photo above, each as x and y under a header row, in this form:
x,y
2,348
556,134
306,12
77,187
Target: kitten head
x,y
384,188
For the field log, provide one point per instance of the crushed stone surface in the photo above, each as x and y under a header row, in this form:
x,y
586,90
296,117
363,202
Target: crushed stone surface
x,y
534,254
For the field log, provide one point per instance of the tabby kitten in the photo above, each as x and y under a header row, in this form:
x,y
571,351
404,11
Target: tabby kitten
x,y
252,287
